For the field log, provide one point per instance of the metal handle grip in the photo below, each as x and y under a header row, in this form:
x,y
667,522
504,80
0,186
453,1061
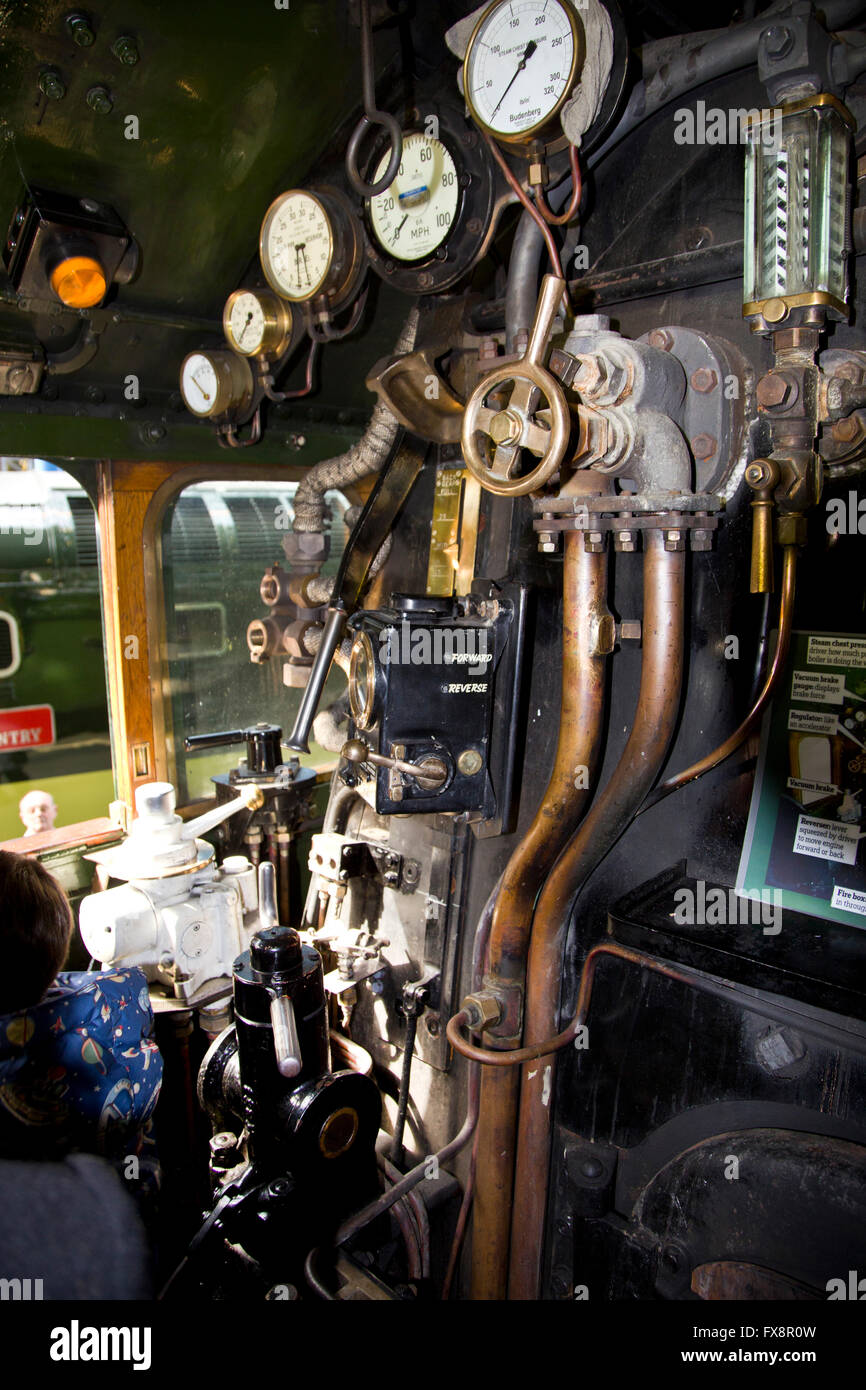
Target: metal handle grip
x,y
287,1047
299,737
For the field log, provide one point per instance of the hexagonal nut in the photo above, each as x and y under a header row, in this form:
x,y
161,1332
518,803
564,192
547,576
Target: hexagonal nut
x,y
630,630
293,639
661,338
296,676
625,541
482,1010
701,539
593,541
591,375
704,379
537,173
674,539
850,371
704,446
775,391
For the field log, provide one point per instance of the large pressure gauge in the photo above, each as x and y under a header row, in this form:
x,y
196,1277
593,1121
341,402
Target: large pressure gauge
x,y
215,383
310,246
257,323
520,66
414,216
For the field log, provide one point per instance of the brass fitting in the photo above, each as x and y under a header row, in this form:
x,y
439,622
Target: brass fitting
x,y
482,1011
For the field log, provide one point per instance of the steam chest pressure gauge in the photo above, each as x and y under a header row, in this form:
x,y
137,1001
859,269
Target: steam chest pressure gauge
x,y
520,66
257,323
215,383
310,246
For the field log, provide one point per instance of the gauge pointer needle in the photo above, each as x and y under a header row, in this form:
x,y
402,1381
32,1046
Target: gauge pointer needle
x,y
301,251
527,54
401,226
245,327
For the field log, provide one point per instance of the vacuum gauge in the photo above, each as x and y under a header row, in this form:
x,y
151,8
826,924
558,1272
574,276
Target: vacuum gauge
x,y
215,383
310,246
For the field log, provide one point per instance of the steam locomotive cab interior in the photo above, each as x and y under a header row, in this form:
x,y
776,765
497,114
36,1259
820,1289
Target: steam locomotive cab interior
x,y
432,600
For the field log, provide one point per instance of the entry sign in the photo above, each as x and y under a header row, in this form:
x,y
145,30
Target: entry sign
x,y
28,726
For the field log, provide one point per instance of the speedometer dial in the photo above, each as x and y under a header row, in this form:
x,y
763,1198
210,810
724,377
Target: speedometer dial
x,y
521,65
415,215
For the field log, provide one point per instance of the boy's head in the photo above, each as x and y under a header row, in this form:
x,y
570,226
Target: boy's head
x,y
35,927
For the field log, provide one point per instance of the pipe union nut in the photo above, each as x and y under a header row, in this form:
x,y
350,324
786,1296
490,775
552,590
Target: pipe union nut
x,y
482,1010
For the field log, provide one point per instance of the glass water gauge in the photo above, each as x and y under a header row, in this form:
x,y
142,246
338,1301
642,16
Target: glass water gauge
x,y
520,66
310,246
257,323
414,216
216,383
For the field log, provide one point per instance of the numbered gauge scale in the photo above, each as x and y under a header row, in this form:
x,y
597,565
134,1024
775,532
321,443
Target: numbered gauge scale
x,y
257,323
215,384
310,247
521,65
436,219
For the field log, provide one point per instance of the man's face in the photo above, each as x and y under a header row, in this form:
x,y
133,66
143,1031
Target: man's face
x,y
38,812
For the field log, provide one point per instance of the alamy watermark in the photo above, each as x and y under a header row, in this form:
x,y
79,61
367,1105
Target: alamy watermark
x,y
32,534
409,645
714,125
710,906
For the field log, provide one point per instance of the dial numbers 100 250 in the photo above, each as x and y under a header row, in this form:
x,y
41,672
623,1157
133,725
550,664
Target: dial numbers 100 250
x,y
520,65
415,215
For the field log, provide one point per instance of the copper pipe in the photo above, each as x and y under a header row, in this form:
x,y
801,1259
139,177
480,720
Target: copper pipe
x,y
582,704
527,202
730,745
645,751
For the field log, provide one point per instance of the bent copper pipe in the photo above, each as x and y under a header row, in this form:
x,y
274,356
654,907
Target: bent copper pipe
x,y
612,811
739,736
584,604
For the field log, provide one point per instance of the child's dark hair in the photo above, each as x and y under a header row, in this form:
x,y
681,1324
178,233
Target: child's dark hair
x,y
35,927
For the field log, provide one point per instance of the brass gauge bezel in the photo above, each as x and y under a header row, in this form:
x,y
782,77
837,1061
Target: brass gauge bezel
x,y
362,711
321,285
234,389
524,137
279,323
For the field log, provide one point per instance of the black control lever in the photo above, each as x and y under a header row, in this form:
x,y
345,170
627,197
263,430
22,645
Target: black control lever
x,y
371,529
263,742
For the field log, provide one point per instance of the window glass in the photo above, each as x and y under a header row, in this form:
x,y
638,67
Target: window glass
x,y
218,539
55,750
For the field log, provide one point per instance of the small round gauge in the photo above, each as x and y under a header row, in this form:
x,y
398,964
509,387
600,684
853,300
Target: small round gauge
x,y
520,65
214,383
257,323
362,681
297,245
414,216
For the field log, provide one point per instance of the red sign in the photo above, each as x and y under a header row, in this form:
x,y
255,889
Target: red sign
x,y
29,726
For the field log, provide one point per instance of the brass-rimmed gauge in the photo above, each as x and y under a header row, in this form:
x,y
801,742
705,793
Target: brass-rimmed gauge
x,y
520,66
310,246
414,216
362,680
215,383
257,323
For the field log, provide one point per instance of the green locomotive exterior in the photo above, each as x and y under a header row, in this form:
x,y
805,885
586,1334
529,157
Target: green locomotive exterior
x,y
217,540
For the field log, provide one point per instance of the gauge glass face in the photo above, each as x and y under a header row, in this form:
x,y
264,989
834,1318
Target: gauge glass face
x,y
297,245
414,216
519,65
198,383
362,680
245,323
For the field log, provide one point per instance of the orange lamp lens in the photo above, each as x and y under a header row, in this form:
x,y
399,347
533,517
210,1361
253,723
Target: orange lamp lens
x,y
79,282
